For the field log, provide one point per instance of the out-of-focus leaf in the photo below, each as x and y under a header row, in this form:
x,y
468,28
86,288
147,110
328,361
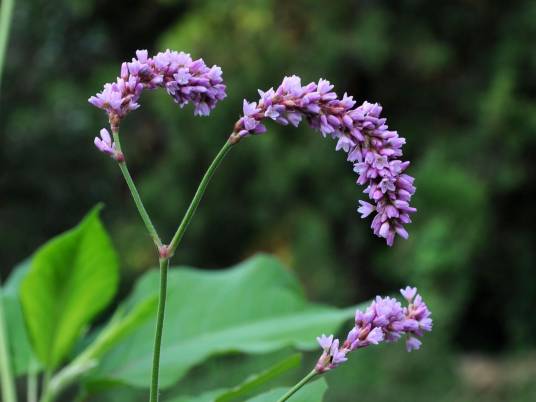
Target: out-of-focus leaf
x,y
313,392
19,344
119,327
255,381
255,307
245,388
71,278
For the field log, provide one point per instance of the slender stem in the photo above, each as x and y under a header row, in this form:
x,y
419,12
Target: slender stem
x,y
31,379
136,195
164,265
165,252
197,197
7,380
46,392
46,396
297,387
6,10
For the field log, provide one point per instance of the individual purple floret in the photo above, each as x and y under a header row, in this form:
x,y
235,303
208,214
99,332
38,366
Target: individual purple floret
x,y
186,80
360,132
384,320
105,144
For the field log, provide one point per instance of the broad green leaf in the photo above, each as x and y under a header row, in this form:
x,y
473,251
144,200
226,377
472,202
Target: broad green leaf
x,y
19,344
71,279
255,307
257,380
312,392
248,386
209,396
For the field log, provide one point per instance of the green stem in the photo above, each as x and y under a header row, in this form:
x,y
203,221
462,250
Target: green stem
x,y
299,385
7,380
164,265
46,392
197,197
31,379
6,9
46,396
136,195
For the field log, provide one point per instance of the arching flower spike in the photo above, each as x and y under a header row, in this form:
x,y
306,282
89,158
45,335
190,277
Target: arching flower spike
x,y
361,132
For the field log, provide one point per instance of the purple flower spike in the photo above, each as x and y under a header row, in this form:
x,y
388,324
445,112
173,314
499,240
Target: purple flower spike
x,y
385,320
360,131
186,80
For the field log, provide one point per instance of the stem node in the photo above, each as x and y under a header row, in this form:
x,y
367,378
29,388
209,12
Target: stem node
x,y
165,252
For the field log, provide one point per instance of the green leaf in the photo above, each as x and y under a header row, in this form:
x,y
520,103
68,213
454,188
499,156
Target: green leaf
x,y
255,307
19,343
257,380
118,327
312,392
247,387
71,279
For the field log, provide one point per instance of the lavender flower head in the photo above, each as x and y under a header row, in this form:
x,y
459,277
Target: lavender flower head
x,y
360,131
385,320
186,80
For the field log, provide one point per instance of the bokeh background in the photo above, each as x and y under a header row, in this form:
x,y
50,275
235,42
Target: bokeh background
x,y
456,79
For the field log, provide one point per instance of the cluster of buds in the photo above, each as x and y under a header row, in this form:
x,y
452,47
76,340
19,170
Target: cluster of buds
x,y
186,80
372,148
105,144
384,320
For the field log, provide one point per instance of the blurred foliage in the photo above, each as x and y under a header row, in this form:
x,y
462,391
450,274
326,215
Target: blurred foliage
x,y
457,79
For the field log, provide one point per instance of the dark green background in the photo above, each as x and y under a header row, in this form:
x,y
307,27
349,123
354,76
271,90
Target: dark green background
x,y
456,79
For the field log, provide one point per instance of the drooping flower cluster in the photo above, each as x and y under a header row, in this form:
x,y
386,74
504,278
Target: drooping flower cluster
x,y
384,320
360,132
186,80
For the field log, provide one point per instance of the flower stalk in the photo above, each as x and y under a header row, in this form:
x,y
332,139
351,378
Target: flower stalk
x,y
31,379
164,267
298,386
134,191
165,252
198,196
